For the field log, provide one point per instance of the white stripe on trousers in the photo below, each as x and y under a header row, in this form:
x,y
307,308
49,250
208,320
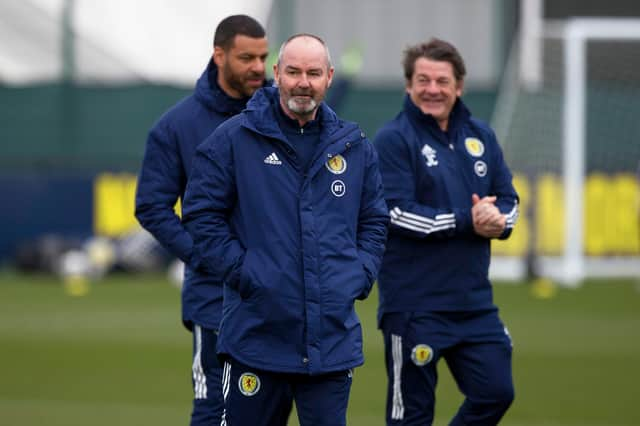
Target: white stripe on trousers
x,y
226,379
199,378
397,407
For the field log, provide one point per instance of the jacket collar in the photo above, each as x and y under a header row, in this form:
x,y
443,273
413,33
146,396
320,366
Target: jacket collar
x,y
457,117
209,93
336,135
261,114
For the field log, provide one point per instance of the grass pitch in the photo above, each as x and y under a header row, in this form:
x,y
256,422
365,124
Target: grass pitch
x,y
119,355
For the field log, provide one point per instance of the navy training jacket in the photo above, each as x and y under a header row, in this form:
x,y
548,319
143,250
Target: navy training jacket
x,y
296,248
434,260
169,152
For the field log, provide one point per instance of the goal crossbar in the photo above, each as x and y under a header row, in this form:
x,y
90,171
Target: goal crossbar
x,y
577,33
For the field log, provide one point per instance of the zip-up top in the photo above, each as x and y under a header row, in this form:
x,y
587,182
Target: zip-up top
x,y
169,151
296,246
429,177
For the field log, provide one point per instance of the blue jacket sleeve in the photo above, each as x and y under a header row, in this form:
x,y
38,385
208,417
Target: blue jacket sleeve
x,y
502,187
408,216
372,220
160,183
209,201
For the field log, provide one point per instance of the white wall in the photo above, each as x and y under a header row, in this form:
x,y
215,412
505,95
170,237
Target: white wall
x,y
159,41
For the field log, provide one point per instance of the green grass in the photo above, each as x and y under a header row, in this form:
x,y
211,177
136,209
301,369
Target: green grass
x,y
119,356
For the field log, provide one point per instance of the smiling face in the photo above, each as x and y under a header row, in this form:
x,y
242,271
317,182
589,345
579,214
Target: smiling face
x,y
303,74
434,89
242,66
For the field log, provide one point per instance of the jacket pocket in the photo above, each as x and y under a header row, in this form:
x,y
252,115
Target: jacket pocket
x,y
366,285
244,285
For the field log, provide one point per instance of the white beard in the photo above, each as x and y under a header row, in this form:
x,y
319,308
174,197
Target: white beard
x,y
302,109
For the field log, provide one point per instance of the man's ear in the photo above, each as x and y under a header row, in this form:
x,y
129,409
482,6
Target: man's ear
x,y
460,87
219,56
407,86
330,76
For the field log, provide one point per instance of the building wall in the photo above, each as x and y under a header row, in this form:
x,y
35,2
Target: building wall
x,y
382,29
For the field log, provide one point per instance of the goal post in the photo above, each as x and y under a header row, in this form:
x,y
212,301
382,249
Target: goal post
x,y
570,131
578,32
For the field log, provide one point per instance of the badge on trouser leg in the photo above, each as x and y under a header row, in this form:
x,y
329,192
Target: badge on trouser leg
x,y
421,354
249,384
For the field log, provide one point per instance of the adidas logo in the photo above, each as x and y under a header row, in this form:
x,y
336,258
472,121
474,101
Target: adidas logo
x,y
272,159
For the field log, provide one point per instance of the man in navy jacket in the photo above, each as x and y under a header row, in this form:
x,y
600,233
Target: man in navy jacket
x,y
235,71
286,204
449,193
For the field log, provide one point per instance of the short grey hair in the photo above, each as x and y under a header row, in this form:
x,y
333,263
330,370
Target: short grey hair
x,y
295,36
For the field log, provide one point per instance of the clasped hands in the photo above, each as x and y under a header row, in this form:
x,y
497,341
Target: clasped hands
x,y
487,219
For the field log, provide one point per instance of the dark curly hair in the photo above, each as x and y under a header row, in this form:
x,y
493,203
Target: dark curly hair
x,y
436,50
